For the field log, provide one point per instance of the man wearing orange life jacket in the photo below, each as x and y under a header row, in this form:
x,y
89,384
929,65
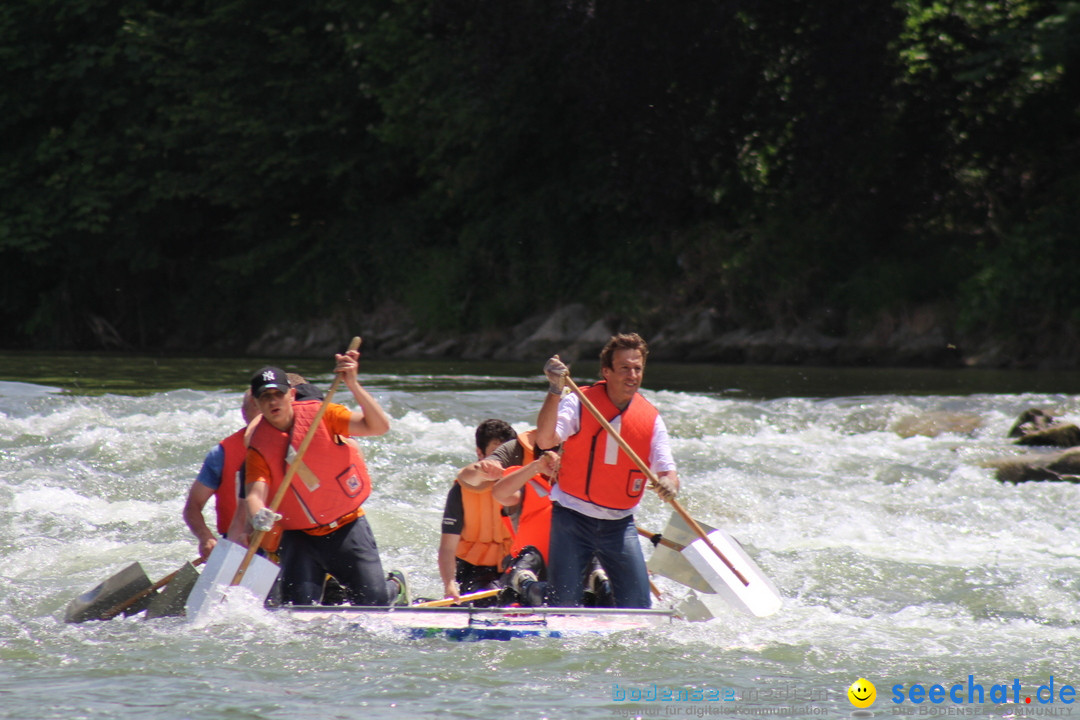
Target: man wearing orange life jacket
x,y
322,513
598,486
528,520
219,478
475,538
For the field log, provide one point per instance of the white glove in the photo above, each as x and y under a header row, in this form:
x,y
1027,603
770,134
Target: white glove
x,y
666,488
264,520
556,371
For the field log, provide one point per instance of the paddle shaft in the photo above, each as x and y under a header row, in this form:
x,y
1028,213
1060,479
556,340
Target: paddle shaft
x,y
117,609
446,602
256,538
652,477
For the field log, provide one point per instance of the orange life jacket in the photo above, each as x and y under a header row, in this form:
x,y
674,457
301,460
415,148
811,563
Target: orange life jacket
x,y
534,521
227,496
594,468
534,515
485,539
331,483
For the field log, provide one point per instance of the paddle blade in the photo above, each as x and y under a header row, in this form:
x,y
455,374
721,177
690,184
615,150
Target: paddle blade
x,y
170,602
124,585
671,564
211,587
757,596
701,608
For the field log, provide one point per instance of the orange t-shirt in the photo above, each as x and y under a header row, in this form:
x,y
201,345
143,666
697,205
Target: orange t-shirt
x,y
336,419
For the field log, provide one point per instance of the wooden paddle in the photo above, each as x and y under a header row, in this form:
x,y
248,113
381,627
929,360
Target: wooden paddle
x,y
256,538
655,590
658,539
121,607
653,479
446,602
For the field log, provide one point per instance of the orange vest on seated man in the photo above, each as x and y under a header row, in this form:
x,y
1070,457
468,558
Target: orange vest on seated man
x,y
332,482
533,519
594,467
227,495
485,538
488,533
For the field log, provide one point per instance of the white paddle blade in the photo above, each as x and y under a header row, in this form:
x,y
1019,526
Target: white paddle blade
x,y
213,584
758,596
670,562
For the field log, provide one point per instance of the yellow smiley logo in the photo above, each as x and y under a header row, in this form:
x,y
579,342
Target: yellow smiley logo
x,y
862,693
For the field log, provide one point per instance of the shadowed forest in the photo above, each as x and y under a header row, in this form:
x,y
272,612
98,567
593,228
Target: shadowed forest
x,y
187,174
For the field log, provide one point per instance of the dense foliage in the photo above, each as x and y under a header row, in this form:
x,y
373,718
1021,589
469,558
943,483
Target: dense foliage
x,y
185,172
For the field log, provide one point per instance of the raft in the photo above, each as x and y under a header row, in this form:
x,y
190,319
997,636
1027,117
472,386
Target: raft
x,y
468,624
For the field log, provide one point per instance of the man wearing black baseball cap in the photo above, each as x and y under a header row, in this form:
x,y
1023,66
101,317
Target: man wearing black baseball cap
x,y
322,511
272,392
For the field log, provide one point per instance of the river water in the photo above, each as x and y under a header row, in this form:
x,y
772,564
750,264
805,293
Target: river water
x,y
902,560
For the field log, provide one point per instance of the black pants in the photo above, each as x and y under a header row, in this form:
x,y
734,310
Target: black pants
x,y
474,578
348,553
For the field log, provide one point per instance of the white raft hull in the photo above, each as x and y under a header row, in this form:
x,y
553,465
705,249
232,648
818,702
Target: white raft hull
x,y
469,624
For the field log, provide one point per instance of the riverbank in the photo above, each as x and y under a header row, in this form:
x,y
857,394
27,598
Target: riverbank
x,y
919,339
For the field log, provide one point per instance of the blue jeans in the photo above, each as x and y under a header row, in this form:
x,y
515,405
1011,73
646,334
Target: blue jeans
x,y
575,538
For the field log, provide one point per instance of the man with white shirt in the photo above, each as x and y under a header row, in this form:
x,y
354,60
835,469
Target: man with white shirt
x,y
599,486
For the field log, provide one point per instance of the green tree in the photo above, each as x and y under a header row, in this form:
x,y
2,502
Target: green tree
x,y
1002,80
182,171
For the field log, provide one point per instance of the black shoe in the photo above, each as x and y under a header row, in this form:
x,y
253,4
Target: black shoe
x,y
598,589
525,569
598,583
520,579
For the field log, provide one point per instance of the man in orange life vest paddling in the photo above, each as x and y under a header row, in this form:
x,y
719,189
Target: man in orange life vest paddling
x,y
475,537
221,477
598,486
322,513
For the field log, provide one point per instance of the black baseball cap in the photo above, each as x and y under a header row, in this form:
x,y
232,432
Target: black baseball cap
x,y
269,378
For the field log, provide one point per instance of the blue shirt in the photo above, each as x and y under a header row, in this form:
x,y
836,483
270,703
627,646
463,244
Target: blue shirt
x,y
213,465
